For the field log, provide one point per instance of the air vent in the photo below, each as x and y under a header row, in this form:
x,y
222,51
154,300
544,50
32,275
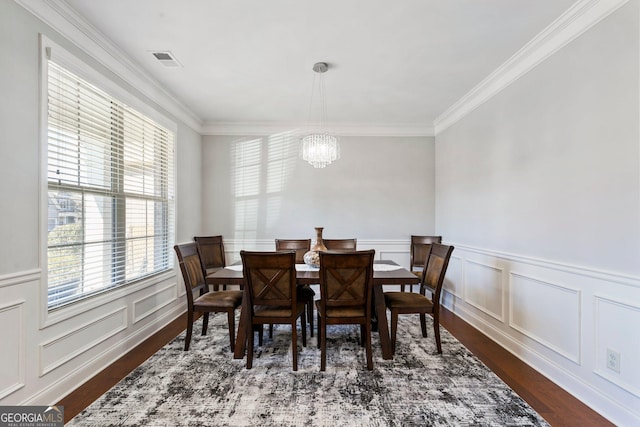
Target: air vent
x,y
167,59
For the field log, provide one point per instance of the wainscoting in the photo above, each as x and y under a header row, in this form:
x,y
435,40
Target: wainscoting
x,y
564,321
47,354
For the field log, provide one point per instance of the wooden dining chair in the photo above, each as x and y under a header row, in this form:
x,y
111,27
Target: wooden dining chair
x,y
305,293
346,285
418,255
340,244
418,303
271,290
205,301
211,250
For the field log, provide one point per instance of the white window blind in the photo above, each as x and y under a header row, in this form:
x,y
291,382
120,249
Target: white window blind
x,y
110,191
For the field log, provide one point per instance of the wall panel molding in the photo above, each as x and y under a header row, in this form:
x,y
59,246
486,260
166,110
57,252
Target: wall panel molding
x,y
13,371
560,319
50,318
486,278
610,312
57,351
20,277
609,276
156,301
558,330
83,371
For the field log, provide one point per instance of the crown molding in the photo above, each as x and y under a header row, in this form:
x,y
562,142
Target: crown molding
x,y
581,16
58,15
337,128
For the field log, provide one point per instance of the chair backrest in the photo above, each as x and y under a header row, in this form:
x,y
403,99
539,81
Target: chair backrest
x,y
270,278
211,250
346,279
191,268
301,246
340,244
419,251
435,270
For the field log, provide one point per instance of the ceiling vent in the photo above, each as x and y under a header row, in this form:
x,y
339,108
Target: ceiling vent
x,y
167,59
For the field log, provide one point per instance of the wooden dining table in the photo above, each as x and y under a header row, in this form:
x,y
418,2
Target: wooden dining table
x,y
384,273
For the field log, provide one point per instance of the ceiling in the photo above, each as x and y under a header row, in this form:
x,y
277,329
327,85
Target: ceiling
x,y
250,61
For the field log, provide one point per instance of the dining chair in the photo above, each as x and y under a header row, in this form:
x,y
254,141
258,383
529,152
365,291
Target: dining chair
x,y
211,250
206,301
340,244
418,303
418,255
271,290
346,285
305,293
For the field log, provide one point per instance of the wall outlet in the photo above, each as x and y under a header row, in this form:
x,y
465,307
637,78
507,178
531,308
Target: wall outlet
x,y
613,360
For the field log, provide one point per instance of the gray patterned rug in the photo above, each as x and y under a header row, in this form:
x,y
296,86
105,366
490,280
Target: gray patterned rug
x,y
207,387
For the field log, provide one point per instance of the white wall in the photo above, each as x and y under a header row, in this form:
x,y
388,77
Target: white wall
x,y
539,189
46,355
381,188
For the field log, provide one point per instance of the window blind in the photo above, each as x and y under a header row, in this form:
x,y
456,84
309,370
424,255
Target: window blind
x,y
110,191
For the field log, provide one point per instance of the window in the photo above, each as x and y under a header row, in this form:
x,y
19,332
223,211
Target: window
x,y
110,190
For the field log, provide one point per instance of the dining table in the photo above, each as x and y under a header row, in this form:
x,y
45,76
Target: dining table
x,y
385,272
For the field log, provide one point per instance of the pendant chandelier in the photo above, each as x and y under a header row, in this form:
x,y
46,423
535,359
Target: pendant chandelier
x,y
319,148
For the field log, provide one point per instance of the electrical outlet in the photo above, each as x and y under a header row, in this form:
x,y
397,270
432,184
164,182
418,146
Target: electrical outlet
x,y
613,360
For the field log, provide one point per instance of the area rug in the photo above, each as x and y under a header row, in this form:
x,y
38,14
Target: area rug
x,y
205,386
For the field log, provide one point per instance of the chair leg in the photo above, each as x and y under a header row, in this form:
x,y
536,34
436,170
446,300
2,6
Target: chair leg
x,y
187,339
271,330
367,332
260,332
319,329
401,288
294,344
394,329
362,336
436,331
250,346
322,334
310,304
423,324
303,324
231,318
205,322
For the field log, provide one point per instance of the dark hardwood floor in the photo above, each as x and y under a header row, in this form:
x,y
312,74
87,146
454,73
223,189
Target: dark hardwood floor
x,y
555,405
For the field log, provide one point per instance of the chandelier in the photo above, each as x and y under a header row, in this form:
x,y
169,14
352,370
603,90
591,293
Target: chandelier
x,y
319,148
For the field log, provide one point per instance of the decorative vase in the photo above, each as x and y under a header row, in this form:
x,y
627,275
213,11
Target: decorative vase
x,y
312,257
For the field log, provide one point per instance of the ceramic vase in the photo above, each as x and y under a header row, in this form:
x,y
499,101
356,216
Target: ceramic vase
x,y
312,257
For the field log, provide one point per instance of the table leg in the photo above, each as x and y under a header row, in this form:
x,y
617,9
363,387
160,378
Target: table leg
x,y
383,326
241,337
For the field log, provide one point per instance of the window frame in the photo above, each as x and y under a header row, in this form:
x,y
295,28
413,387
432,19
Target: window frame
x,y
85,71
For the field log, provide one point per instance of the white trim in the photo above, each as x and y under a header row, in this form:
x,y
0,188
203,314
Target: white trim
x,y
575,358
20,277
609,276
136,318
583,15
566,379
82,373
121,311
62,18
94,301
17,305
341,129
618,380
500,271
